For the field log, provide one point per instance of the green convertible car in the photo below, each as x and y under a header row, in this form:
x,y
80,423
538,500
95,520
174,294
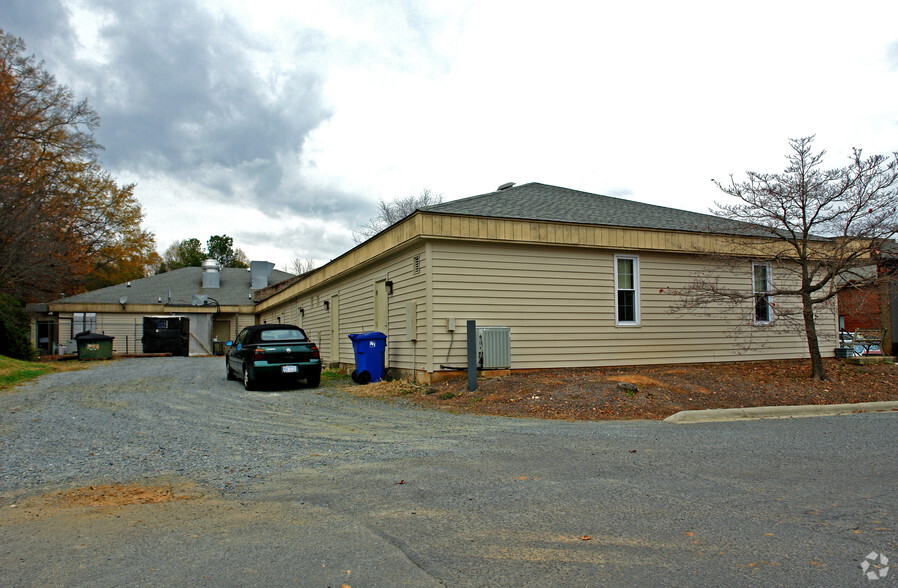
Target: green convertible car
x,y
273,352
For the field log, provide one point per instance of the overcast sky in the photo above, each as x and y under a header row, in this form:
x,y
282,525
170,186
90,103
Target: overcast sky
x,y
282,123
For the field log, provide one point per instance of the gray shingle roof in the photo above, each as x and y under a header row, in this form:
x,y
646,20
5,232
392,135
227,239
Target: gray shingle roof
x,y
183,284
541,202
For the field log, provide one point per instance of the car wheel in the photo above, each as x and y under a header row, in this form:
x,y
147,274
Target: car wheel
x,y
313,380
248,382
229,373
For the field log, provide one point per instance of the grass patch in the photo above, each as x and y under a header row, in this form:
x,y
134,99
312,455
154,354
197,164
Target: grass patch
x,y
333,376
16,371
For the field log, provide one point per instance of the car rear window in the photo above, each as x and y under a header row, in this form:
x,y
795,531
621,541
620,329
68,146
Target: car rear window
x,y
282,335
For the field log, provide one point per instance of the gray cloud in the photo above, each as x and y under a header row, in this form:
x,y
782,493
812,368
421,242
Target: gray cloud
x,y
183,96
29,19
183,90
178,93
315,242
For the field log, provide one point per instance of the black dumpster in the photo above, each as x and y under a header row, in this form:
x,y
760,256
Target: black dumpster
x,y
93,346
166,334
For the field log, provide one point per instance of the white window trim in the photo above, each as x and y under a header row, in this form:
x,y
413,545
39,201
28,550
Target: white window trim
x,y
755,291
636,297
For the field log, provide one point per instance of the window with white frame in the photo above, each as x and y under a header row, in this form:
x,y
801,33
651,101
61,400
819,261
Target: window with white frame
x,y
761,291
626,290
83,321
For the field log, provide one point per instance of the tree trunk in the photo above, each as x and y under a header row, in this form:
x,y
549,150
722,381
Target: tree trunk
x,y
810,329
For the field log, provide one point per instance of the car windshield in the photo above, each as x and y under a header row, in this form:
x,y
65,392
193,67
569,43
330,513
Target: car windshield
x,y
282,335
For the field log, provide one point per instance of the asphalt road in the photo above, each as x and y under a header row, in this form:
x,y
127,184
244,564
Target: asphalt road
x,y
318,488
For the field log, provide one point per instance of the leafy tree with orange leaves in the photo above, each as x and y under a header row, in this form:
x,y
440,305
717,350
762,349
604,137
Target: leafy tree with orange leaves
x,y
64,222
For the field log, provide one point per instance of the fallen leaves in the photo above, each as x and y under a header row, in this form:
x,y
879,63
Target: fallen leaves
x,y
591,393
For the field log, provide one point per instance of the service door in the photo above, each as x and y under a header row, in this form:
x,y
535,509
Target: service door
x,y
335,328
221,332
380,306
381,315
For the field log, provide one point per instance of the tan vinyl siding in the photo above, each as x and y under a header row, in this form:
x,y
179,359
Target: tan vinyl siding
x,y
557,233
559,304
424,225
552,283
357,311
286,314
127,327
245,320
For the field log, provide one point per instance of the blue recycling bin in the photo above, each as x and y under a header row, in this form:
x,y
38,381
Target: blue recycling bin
x,y
369,349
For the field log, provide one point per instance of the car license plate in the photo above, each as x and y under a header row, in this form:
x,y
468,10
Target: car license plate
x,y
289,369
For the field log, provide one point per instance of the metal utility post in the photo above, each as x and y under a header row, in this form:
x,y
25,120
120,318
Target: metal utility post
x,y
472,356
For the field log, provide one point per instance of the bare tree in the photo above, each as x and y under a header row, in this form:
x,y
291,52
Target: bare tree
x,y
301,266
820,229
390,213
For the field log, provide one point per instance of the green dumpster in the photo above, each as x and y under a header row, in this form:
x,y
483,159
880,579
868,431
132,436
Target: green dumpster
x,y
94,346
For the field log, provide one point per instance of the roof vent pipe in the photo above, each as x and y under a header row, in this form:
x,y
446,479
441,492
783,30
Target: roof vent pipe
x,y
211,275
505,186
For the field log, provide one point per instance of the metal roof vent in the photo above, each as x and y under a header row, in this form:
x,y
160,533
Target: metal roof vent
x,y
505,186
211,275
259,271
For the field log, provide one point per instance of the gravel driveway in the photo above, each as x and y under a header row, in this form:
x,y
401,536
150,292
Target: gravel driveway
x,y
319,488
139,418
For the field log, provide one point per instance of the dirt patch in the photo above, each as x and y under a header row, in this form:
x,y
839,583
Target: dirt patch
x,y
96,500
637,379
118,495
661,390
383,389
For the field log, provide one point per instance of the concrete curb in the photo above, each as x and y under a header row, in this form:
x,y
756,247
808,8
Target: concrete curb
x,y
777,412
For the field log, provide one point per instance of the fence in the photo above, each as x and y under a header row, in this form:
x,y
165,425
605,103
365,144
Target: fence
x,y
52,336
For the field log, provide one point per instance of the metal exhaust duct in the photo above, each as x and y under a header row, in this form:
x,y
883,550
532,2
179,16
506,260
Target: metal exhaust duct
x,y
259,272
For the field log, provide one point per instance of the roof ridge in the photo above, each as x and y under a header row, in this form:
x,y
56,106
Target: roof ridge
x,y
436,207
537,201
467,198
629,201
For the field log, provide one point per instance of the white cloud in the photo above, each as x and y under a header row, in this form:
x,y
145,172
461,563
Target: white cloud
x,y
294,118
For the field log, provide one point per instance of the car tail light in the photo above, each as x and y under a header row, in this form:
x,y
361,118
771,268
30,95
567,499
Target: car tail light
x,y
259,355
315,353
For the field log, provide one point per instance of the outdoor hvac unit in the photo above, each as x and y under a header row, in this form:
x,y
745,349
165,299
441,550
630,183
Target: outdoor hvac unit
x,y
494,348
